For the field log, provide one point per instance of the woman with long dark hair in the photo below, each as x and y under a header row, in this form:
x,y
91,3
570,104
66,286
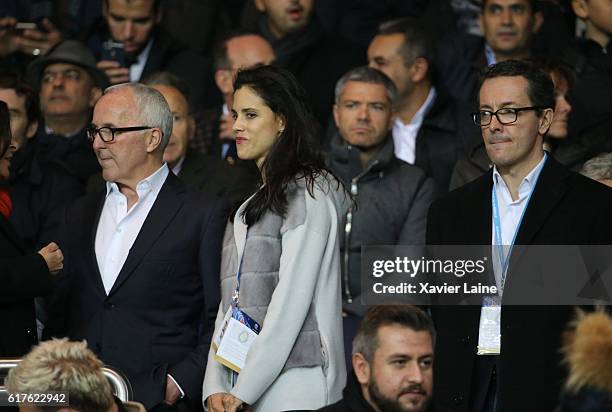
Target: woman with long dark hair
x,y
23,275
280,272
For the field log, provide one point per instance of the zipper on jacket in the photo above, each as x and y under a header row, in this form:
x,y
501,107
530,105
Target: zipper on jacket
x,y
348,226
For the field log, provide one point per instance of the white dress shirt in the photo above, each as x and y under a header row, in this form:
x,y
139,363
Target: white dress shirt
x,y
119,227
137,68
510,211
405,135
510,215
490,55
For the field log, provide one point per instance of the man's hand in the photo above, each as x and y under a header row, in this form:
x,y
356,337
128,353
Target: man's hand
x,y
116,74
226,124
53,257
225,402
215,402
231,403
8,39
35,42
172,392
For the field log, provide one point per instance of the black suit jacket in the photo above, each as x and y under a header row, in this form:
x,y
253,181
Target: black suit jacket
x,y
159,315
565,208
440,138
212,175
23,276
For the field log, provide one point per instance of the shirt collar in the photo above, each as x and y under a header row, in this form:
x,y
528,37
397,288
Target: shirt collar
x,y
528,181
490,55
417,120
50,131
178,166
144,54
153,182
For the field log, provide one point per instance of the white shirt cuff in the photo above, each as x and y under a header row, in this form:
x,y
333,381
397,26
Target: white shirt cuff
x,y
178,386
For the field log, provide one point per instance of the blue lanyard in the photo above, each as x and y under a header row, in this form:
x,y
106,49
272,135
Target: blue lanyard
x,y
236,294
504,259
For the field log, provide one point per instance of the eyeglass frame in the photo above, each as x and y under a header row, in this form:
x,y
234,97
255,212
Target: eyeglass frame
x,y
91,129
516,111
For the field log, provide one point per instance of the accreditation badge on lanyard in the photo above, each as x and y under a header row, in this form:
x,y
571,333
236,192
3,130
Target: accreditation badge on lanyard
x,y
237,333
489,329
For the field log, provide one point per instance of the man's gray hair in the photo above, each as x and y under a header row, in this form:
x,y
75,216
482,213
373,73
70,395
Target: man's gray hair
x,y
599,167
370,75
59,365
153,107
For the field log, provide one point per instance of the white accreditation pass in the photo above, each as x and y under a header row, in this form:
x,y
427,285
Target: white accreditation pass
x,y
237,333
234,340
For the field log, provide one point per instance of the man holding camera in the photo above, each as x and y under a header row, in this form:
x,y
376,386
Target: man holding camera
x,y
131,45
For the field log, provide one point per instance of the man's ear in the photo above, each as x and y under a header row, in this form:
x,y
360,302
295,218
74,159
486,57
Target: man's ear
x,y
260,5
581,9
335,113
419,70
538,19
362,368
94,94
32,129
545,121
154,140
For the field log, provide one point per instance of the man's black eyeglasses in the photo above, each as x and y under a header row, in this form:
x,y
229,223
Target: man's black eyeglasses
x,y
507,115
107,134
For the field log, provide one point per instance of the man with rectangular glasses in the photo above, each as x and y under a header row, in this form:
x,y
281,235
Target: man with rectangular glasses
x,y
141,280
511,361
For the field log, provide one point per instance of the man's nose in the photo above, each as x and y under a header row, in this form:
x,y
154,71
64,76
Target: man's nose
x,y
58,80
363,113
564,105
506,16
97,142
414,374
128,30
495,124
14,146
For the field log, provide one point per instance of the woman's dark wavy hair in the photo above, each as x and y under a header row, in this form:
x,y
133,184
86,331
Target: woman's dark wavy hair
x,y
5,128
296,153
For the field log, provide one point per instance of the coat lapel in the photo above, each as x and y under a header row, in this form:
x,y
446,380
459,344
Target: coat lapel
x,y
548,192
164,210
91,218
479,210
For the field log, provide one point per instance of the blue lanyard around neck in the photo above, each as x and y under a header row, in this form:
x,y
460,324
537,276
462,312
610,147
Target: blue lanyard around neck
x,y
504,259
236,294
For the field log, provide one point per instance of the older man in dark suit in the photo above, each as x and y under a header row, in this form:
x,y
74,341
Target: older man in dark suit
x,y
539,202
142,258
